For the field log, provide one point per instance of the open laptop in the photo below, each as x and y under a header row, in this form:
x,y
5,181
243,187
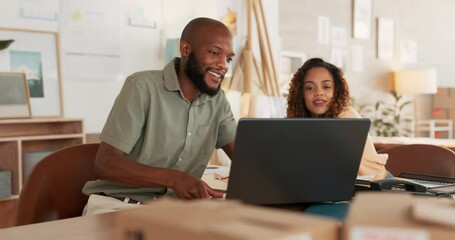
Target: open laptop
x,y
296,160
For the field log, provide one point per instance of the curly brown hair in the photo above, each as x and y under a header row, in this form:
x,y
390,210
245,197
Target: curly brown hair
x,y
296,102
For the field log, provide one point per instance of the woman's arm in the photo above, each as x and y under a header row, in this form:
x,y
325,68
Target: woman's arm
x,y
372,163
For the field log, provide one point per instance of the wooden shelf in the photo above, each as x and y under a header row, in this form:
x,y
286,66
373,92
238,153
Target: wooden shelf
x,y
433,126
33,127
22,137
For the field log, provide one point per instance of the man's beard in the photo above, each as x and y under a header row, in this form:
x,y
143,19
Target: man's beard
x,y
196,74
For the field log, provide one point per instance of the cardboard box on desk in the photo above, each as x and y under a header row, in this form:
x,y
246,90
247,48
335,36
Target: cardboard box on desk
x,y
444,98
376,215
221,220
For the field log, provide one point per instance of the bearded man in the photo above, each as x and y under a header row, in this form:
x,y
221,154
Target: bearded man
x,y
165,124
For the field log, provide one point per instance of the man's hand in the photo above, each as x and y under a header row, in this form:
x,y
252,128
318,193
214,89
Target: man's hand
x,y
188,186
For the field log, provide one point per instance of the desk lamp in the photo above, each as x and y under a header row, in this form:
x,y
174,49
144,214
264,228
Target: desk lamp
x,y
420,81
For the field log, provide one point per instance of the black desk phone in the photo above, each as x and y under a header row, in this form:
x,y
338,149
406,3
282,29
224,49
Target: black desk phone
x,y
397,183
408,185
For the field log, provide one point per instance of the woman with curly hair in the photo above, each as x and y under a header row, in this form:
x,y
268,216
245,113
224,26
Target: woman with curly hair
x,y
319,90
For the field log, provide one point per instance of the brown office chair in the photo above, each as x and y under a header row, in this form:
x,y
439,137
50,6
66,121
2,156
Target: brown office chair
x,y
420,159
53,189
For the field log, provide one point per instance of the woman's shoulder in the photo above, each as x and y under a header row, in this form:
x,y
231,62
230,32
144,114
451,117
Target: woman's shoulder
x,y
349,112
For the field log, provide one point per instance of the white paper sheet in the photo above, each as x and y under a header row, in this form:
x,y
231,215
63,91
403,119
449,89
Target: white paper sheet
x,y
91,39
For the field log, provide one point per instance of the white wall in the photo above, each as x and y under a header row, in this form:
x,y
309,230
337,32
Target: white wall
x,y
429,23
292,24
141,49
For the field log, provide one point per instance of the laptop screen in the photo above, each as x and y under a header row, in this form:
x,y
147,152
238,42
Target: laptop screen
x,y
296,160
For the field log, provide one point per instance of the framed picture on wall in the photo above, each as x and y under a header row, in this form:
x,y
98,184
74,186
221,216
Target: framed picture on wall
x,y
14,96
36,54
144,13
386,39
362,19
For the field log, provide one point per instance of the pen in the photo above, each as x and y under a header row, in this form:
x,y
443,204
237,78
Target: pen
x,y
220,177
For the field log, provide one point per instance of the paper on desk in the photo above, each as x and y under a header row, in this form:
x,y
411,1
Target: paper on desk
x,y
221,170
365,177
216,177
215,183
223,178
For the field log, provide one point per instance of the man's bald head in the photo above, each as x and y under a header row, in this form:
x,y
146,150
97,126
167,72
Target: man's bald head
x,y
193,29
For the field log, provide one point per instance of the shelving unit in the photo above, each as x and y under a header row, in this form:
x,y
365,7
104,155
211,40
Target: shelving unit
x,y
443,108
22,136
433,126
289,63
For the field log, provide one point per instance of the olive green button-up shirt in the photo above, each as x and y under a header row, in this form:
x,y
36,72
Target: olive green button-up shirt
x,y
155,125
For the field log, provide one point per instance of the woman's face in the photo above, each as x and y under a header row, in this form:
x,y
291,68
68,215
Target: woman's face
x,y
318,90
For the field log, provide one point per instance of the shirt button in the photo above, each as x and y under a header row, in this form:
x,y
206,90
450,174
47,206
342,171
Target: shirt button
x,y
180,159
189,133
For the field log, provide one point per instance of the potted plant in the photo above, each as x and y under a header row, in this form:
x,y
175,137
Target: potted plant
x,y
5,43
389,119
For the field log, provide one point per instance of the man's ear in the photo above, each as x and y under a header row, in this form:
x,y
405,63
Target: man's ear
x,y
185,49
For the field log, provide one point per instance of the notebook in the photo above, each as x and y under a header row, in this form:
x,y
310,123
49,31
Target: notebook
x,y
289,161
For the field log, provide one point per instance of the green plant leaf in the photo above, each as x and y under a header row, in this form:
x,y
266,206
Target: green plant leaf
x,y
5,43
404,105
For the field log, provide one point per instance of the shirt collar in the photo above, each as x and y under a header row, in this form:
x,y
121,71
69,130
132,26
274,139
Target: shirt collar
x,y
171,80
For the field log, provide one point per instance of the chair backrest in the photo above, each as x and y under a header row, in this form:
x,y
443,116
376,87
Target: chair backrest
x,y
53,189
421,159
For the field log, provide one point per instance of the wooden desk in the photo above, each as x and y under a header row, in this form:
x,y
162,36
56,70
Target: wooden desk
x,y
97,227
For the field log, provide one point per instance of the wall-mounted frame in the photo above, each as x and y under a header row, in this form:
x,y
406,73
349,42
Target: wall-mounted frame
x,y
36,53
14,96
408,51
362,19
386,39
